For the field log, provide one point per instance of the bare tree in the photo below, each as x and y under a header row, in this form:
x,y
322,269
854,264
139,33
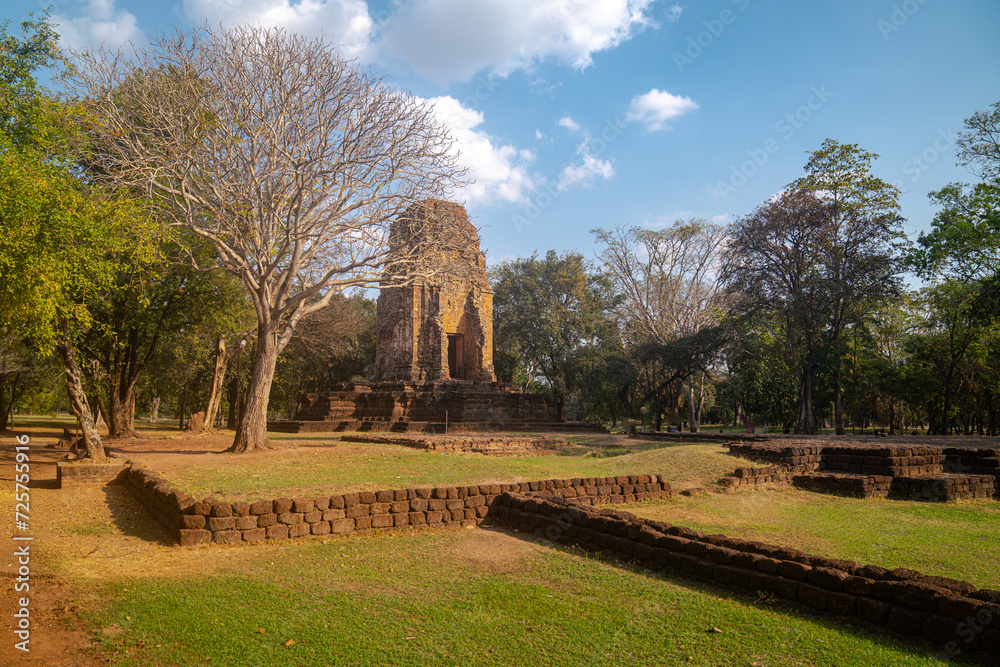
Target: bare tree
x,y
670,279
288,158
774,271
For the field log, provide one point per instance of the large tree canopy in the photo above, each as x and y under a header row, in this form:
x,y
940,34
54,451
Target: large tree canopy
x,y
289,159
61,240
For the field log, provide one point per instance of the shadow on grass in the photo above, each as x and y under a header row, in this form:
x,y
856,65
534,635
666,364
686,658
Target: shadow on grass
x,y
132,518
761,600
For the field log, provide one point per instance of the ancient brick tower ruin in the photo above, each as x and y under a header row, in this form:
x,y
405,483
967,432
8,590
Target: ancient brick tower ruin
x,y
434,349
437,324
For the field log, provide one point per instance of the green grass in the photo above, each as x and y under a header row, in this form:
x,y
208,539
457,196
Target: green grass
x,y
409,600
392,467
960,540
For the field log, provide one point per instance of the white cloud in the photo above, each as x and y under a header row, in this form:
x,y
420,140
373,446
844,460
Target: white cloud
x,y
346,22
655,108
664,221
100,23
586,170
674,13
500,171
451,40
569,124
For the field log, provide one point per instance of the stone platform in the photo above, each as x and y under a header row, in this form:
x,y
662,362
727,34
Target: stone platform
x,y
469,444
437,407
864,470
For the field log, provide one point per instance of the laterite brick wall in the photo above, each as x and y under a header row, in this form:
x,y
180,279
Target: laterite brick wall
x,y
201,522
84,475
953,613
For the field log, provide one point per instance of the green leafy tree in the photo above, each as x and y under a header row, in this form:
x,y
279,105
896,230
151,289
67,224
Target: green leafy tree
x,y
59,237
862,243
548,314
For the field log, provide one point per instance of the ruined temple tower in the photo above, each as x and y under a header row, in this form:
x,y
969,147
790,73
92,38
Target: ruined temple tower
x,y
434,345
435,318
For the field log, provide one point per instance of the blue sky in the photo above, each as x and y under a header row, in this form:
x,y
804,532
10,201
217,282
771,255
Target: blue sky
x,y
576,114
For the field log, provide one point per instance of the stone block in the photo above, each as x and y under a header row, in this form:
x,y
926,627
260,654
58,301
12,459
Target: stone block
x,y
277,532
341,526
191,537
227,537
222,510
298,530
254,535
282,505
246,522
217,523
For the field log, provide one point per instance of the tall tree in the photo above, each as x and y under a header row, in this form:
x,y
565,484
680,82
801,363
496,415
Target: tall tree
x,y
862,242
550,312
774,273
290,160
58,235
670,282
149,302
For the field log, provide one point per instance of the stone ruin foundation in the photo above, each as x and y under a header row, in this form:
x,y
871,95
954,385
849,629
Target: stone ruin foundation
x,y
918,472
434,344
490,445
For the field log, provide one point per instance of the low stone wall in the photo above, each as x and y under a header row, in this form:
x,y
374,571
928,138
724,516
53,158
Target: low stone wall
x,y
856,486
981,461
750,477
953,613
890,461
88,475
809,456
192,522
944,487
920,472
498,445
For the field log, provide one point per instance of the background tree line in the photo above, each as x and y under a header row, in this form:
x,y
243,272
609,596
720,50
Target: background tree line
x,y
166,248
814,310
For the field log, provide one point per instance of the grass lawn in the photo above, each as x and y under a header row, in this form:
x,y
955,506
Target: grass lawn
x,y
337,467
472,597
960,540
478,596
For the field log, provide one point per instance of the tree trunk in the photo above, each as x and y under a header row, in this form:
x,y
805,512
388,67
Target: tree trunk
x,y
121,410
4,407
154,409
78,400
807,421
183,406
838,394
234,390
692,408
222,356
251,424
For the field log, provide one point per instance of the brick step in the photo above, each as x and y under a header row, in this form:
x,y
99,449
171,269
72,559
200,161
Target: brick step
x,y
845,484
944,487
